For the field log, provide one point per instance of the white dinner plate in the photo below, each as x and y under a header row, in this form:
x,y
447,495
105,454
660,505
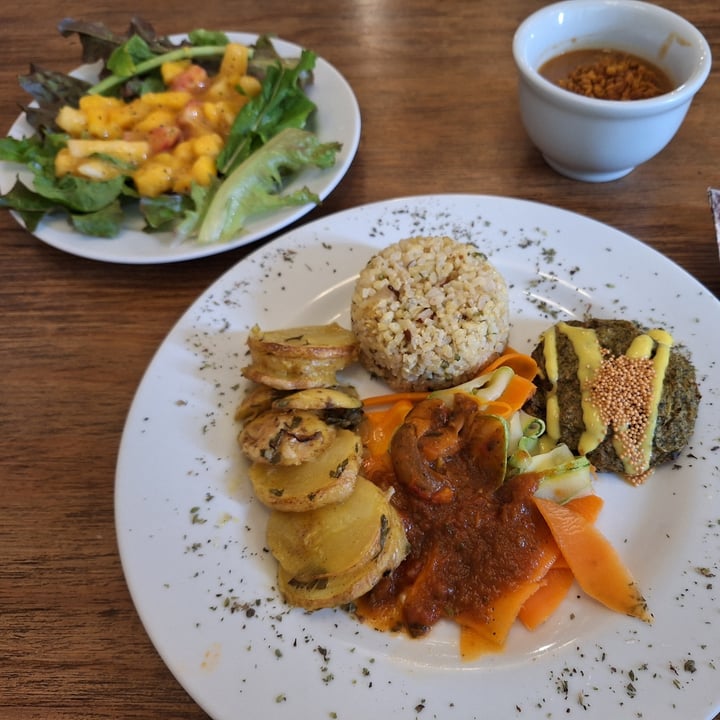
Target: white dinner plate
x,y
337,119
192,536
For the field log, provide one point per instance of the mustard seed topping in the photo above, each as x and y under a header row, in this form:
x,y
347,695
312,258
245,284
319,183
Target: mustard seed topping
x,y
622,391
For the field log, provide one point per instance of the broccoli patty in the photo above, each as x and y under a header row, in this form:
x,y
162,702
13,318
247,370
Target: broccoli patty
x,y
676,411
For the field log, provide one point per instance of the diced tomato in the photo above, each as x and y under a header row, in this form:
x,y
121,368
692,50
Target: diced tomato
x,y
191,119
192,79
164,138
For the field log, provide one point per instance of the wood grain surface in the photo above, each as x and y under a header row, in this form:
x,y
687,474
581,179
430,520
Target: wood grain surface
x,y
437,90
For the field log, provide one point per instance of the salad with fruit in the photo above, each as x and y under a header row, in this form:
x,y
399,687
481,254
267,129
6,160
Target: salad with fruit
x,y
199,135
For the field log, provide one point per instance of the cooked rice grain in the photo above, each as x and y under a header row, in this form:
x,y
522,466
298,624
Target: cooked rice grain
x,y
428,313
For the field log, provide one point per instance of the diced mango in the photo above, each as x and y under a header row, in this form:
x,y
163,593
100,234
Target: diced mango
x,y
204,170
156,119
98,103
170,70
98,110
235,60
171,138
184,151
220,115
171,100
153,179
223,88
250,85
182,181
65,162
72,120
210,145
128,115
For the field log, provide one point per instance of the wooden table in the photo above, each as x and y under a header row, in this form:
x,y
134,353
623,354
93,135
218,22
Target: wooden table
x,y
436,85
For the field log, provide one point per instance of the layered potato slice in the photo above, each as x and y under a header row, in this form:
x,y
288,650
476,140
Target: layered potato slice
x,y
259,399
320,398
367,561
328,478
307,356
333,532
333,539
286,437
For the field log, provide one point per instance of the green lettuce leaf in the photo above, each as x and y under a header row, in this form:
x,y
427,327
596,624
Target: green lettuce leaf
x,y
281,104
105,222
255,185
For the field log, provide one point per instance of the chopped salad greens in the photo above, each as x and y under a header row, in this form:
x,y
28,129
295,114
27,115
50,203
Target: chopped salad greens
x,y
267,141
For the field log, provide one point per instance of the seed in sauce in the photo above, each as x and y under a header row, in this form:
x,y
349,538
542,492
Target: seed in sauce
x,y
607,75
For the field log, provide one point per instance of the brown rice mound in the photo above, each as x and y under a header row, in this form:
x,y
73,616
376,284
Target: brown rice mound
x,y
428,313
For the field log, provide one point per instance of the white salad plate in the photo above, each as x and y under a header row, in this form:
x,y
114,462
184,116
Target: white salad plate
x,y
192,536
337,119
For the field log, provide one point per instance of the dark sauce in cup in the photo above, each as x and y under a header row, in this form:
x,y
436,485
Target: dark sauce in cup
x,y
607,74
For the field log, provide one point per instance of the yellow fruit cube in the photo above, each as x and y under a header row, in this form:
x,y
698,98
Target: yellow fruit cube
x,y
65,162
250,85
223,87
153,179
127,115
98,103
170,70
204,170
97,110
172,99
210,145
72,120
182,182
220,115
185,151
155,119
235,60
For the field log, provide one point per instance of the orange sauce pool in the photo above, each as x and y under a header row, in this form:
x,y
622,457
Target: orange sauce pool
x,y
607,74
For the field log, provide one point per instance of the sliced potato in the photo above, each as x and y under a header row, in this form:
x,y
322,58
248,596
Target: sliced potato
x,y
320,398
328,479
344,588
311,342
298,358
286,437
295,373
332,539
258,400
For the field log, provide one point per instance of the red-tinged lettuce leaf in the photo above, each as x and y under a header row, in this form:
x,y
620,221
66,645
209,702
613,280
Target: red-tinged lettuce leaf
x,y
98,42
51,87
50,90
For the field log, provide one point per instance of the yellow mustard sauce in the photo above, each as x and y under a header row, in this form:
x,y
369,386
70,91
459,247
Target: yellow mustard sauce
x,y
661,361
552,410
589,354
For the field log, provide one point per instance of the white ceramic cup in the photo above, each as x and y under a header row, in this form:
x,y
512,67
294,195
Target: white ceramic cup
x,y
600,140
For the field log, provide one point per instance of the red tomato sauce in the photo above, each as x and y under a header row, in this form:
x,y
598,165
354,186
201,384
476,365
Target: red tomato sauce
x,y
471,542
